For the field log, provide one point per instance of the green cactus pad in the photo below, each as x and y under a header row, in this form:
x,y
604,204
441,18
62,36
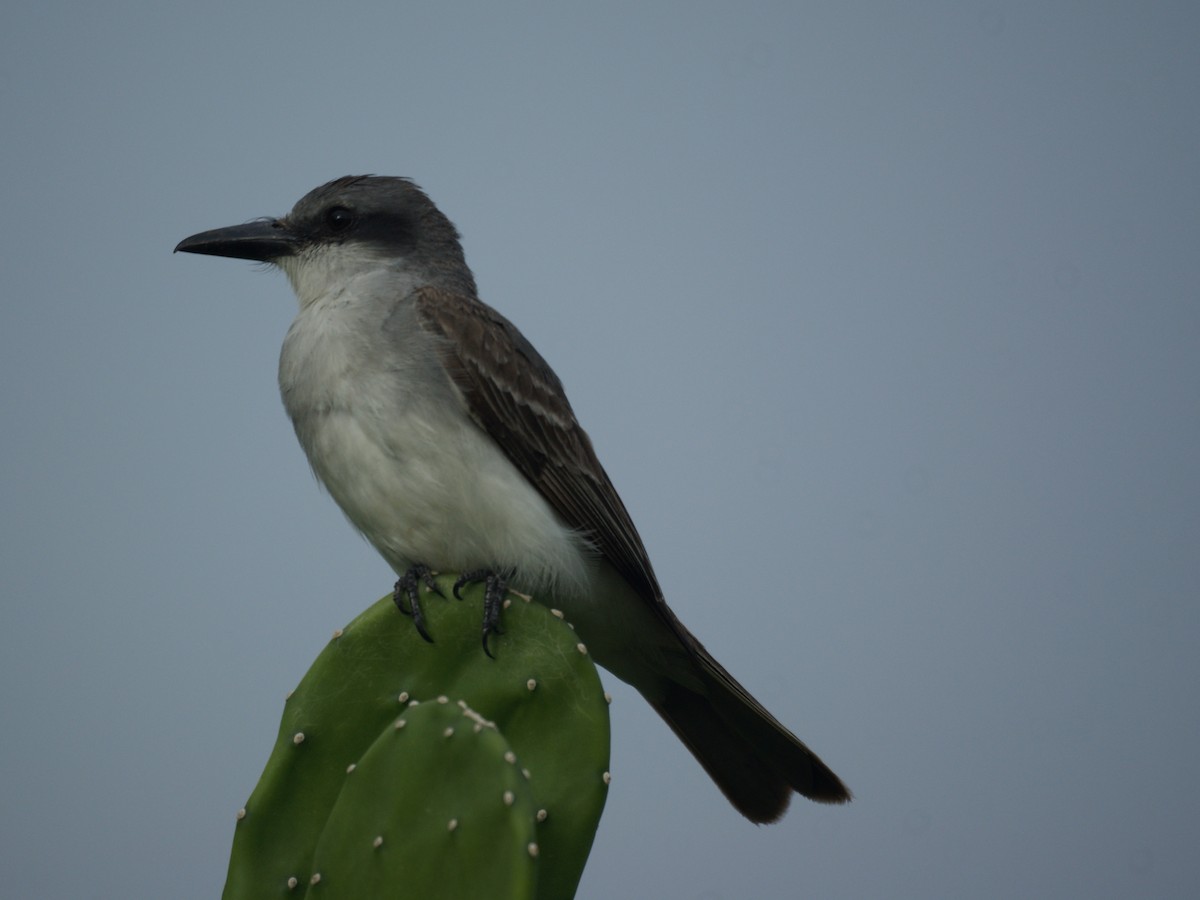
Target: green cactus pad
x,y
541,691
433,809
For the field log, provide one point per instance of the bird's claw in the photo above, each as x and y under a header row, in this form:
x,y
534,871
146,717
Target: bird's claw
x,y
408,586
495,586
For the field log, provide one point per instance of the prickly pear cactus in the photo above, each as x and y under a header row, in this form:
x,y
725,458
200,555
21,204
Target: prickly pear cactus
x,y
468,827
404,768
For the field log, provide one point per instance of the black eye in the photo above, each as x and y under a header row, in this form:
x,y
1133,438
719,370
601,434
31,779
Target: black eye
x,y
338,218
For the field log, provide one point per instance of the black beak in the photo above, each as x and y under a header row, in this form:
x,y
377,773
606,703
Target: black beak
x,y
265,240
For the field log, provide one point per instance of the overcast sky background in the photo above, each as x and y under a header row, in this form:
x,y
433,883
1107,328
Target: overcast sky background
x,y
884,319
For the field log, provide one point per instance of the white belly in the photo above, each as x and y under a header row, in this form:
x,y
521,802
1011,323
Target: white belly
x,y
396,450
441,493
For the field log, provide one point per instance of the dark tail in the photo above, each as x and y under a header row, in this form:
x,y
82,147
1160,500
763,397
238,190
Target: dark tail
x,y
755,761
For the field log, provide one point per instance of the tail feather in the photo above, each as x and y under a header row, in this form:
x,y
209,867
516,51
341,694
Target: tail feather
x,y
755,761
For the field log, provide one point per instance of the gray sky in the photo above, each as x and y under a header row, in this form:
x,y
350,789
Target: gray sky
x,y
884,319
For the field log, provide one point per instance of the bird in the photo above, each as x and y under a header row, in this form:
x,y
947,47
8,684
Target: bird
x,y
450,444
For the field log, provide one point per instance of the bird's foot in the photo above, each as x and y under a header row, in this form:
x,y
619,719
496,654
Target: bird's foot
x,y
408,586
495,586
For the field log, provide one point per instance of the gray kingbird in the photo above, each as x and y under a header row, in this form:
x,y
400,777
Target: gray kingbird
x,y
449,443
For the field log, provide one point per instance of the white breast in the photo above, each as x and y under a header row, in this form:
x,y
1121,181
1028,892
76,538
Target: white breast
x,y
389,436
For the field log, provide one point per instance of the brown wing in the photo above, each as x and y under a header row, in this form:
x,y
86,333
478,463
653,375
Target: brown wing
x,y
516,398
514,395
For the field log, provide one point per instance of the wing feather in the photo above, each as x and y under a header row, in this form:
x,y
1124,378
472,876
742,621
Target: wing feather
x,y
514,395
